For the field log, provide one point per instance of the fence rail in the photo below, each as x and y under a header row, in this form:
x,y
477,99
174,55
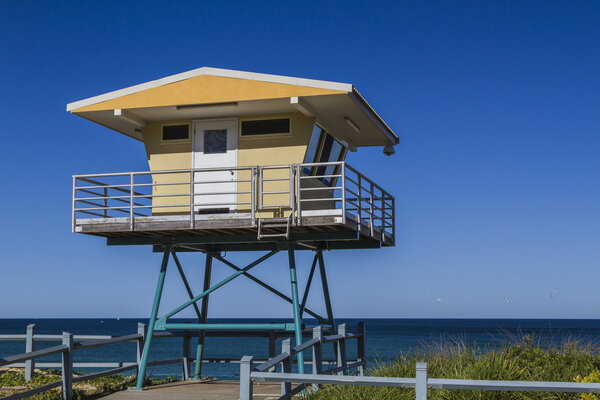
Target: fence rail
x,y
333,188
266,370
71,343
421,383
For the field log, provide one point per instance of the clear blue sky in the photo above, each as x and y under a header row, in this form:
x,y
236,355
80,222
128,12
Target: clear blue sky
x,y
497,176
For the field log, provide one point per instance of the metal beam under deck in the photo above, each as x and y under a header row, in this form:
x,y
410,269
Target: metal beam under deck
x,y
232,239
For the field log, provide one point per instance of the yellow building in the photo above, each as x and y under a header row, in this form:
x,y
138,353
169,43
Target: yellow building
x,y
252,151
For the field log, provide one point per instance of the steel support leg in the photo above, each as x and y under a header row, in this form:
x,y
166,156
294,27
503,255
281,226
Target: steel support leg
x,y
152,322
296,305
203,313
326,291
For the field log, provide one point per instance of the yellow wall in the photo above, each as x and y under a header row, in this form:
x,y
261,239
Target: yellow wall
x,y
256,150
168,156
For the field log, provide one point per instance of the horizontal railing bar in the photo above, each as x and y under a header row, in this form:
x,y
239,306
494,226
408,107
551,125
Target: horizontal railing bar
x,y
320,164
174,171
320,188
106,342
280,192
229,181
319,176
267,326
92,213
61,348
104,373
333,379
33,391
513,386
102,198
323,199
273,361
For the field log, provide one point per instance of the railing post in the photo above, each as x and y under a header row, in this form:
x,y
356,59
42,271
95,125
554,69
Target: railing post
x,y
360,348
421,382
359,202
245,381
67,367
317,353
383,216
272,348
73,206
286,365
343,170
141,330
105,202
371,219
253,172
192,219
185,359
299,195
341,350
131,201
29,347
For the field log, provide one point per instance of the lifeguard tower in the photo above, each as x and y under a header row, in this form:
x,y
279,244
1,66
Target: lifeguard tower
x,y
238,161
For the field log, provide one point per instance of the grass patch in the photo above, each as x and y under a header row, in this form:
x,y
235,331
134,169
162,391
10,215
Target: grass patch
x,y
12,380
525,361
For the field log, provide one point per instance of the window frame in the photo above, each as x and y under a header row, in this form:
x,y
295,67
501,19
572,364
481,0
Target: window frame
x,y
176,141
265,135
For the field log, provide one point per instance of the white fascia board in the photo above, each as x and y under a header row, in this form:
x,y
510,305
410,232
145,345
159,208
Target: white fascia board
x,y
227,73
362,103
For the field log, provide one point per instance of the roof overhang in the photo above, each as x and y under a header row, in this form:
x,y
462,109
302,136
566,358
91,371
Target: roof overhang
x,y
212,93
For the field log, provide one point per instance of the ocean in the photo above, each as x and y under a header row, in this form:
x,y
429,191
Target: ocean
x,y
386,339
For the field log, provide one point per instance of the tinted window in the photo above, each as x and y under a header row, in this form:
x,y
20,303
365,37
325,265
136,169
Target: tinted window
x,y
265,126
215,141
175,132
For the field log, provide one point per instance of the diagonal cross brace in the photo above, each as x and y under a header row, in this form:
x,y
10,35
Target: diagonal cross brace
x,y
185,282
307,289
163,320
272,289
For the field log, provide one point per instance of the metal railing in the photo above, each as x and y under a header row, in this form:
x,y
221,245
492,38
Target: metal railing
x,y
71,343
421,383
265,372
296,190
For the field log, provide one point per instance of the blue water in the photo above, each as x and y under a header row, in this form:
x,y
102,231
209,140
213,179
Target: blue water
x,y
385,338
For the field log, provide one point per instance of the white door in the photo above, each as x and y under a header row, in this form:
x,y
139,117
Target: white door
x,y
215,146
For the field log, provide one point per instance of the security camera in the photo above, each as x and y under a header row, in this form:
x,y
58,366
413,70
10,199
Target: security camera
x,y
388,150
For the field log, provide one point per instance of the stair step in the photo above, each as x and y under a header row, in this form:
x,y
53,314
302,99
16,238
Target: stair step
x,y
273,235
278,225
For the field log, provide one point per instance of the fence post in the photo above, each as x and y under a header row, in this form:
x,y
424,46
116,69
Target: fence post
x,y
185,358
67,367
317,354
286,365
272,348
245,381
341,350
360,348
421,382
29,347
141,330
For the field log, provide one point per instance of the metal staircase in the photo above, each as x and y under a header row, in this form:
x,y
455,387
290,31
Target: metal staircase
x,y
274,223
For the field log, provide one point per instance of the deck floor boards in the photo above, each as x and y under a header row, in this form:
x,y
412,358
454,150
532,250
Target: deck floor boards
x,y
197,390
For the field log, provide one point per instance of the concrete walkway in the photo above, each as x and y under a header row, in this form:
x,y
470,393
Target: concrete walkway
x,y
212,390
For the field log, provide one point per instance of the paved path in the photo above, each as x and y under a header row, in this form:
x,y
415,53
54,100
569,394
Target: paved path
x,y
213,390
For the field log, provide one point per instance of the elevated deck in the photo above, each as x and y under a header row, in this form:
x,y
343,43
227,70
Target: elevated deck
x,y
321,205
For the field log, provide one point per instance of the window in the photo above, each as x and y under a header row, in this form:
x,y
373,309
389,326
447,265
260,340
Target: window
x,y
215,141
265,127
175,132
323,147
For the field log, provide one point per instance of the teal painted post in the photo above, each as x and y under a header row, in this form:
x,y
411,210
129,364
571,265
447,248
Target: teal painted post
x,y
296,305
152,322
326,291
203,313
